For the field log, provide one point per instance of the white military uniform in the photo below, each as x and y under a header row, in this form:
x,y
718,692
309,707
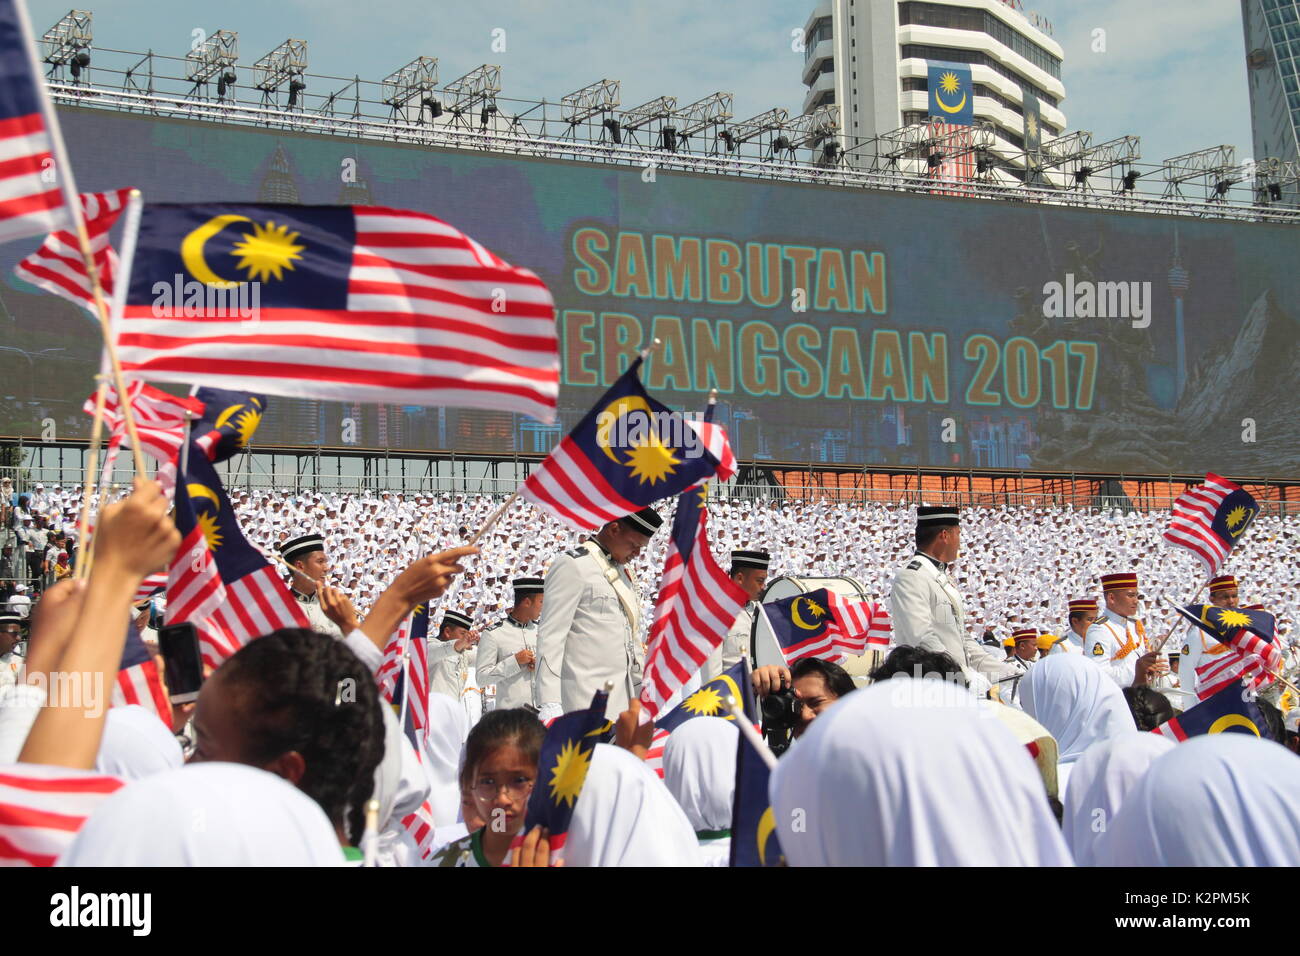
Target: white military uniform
x,y
450,671
1009,690
1116,642
589,632
734,647
927,612
1070,643
1198,649
498,665
310,605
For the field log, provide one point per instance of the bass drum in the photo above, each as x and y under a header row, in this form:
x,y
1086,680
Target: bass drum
x,y
763,642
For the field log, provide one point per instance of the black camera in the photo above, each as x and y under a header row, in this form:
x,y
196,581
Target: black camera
x,y
781,710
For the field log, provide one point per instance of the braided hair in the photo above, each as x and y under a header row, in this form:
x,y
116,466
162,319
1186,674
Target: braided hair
x,y
298,690
501,728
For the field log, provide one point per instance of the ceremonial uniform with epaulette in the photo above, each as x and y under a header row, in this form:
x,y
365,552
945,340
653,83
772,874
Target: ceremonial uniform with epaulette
x,y
590,627
296,549
1115,642
926,611
1198,648
498,650
449,669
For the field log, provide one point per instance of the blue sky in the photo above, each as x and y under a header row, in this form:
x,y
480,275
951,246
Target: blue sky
x,y
1173,71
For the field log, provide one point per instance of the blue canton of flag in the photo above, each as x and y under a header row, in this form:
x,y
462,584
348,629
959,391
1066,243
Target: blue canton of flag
x,y
1230,711
228,423
627,452
952,94
562,769
710,699
753,826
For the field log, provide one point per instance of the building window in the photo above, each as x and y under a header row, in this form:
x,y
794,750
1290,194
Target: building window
x,y
980,21
973,57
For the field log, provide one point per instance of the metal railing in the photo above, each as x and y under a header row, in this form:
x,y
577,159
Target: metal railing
x,y
237,476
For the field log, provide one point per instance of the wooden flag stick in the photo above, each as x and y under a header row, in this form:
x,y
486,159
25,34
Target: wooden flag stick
x,y
1180,622
88,482
747,729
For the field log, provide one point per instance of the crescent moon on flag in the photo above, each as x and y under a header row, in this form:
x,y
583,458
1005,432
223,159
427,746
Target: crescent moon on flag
x,y
798,621
192,251
228,414
617,408
196,490
766,826
1233,720
961,105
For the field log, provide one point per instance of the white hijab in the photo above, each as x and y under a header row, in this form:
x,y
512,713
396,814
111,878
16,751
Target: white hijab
x,y
912,772
1102,778
1235,805
401,785
1078,704
136,744
700,770
444,749
625,816
207,814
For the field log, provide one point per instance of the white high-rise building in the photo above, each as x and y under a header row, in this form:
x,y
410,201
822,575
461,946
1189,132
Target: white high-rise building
x,y
872,57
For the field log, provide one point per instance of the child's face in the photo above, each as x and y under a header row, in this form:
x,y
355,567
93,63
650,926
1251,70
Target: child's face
x,y
501,787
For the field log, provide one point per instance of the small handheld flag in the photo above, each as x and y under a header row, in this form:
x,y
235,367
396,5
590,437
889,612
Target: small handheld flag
x,y
57,266
696,605
627,452
826,625
138,681
217,579
562,769
1249,634
228,421
754,839
1210,519
1229,711
708,701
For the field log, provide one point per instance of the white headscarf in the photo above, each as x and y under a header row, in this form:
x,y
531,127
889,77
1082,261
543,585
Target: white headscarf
x,y
625,816
207,814
912,772
1102,777
700,770
1079,705
136,744
444,748
1235,805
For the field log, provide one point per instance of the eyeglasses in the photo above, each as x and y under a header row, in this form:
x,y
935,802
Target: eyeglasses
x,y
489,787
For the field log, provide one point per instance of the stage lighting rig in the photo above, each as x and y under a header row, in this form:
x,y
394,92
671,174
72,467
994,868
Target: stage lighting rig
x,y
216,57
282,67
413,84
66,44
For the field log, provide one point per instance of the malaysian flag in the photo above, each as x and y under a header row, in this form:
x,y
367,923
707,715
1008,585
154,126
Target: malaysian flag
x,y
1229,710
57,266
228,421
628,451
708,701
138,681
754,840
1252,655
350,303
42,808
420,825
159,419
1209,519
411,672
218,580
696,606
562,769
825,625
31,203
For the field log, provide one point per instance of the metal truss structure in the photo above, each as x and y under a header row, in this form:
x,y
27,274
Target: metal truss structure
x,y
587,126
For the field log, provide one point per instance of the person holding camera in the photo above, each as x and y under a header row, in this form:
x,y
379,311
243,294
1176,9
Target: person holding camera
x,y
791,698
